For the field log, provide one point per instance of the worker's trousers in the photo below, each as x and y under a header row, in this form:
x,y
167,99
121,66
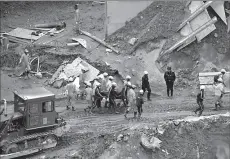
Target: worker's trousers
x,y
169,85
140,110
149,91
200,108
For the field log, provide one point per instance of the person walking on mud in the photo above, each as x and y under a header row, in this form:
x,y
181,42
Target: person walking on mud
x,y
199,100
169,77
140,102
71,93
112,95
219,92
25,64
131,100
98,96
146,85
88,93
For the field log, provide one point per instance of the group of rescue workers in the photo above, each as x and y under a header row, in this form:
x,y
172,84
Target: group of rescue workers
x,y
219,88
103,87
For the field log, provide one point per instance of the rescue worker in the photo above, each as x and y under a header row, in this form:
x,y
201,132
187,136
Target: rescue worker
x,y
104,81
199,100
128,78
71,90
169,77
98,96
140,102
145,85
112,95
124,93
221,76
88,92
109,83
131,100
219,92
25,64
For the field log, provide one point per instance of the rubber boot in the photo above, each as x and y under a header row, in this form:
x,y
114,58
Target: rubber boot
x,y
67,107
73,108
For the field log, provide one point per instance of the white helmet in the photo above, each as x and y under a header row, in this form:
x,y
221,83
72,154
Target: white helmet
x,y
114,84
98,84
128,77
111,77
223,71
202,87
220,80
105,74
146,72
133,86
129,84
141,91
70,79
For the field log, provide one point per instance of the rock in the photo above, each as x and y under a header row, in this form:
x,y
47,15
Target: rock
x,y
58,84
215,35
38,75
75,154
108,50
153,144
160,130
42,157
132,41
120,137
126,138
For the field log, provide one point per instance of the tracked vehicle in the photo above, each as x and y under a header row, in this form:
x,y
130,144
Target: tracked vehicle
x,y
34,125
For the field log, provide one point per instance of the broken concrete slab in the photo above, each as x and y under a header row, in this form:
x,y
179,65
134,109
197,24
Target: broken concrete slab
x,y
200,20
81,41
218,7
75,69
24,34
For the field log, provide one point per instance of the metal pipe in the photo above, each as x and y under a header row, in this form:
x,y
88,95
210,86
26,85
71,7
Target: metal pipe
x,y
194,14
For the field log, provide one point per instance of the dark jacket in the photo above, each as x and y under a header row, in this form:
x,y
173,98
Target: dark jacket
x,y
200,96
145,81
97,93
139,101
169,76
112,93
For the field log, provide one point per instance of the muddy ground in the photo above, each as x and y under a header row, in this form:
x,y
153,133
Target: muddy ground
x,y
94,136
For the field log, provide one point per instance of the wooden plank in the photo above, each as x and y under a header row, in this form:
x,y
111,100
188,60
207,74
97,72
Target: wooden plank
x,y
99,40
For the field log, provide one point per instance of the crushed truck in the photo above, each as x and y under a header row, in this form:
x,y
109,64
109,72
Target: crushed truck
x,y
33,126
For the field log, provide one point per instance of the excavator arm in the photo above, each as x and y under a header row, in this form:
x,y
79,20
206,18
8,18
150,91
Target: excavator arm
x,y
4,127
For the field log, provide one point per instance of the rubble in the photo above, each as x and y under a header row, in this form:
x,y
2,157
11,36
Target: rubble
x,y
77,68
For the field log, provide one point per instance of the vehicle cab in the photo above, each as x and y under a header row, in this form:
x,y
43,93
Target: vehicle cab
x,y
37,106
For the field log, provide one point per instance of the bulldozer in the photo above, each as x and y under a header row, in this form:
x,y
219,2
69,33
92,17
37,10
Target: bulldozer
x,y
33,126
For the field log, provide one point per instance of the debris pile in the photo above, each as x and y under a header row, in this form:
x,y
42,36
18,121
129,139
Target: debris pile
x,y
72,70
190,137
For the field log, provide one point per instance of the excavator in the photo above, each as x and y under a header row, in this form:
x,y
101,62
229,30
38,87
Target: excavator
x,y
33,126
